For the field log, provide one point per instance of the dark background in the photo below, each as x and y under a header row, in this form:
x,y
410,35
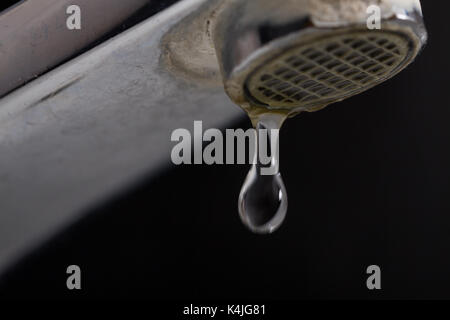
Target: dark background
x,y
368,181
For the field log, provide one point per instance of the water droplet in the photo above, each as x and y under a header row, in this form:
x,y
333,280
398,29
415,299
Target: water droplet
x,y
263,199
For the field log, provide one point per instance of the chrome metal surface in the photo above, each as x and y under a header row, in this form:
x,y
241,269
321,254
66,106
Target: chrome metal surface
x,y
255,35
92,128
101,122
34,37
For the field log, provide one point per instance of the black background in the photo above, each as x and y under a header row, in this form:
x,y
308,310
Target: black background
x,y
368,181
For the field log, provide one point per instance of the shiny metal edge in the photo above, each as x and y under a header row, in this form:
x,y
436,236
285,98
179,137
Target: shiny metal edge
x,y
93,127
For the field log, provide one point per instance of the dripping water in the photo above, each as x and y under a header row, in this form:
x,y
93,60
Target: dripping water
x,y
263,199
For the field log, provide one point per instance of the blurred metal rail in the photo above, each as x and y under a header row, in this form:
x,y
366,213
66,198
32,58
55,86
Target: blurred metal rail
x,y
34,37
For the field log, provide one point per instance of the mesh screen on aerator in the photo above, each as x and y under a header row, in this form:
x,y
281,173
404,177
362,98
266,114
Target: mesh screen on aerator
x,y
328,69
